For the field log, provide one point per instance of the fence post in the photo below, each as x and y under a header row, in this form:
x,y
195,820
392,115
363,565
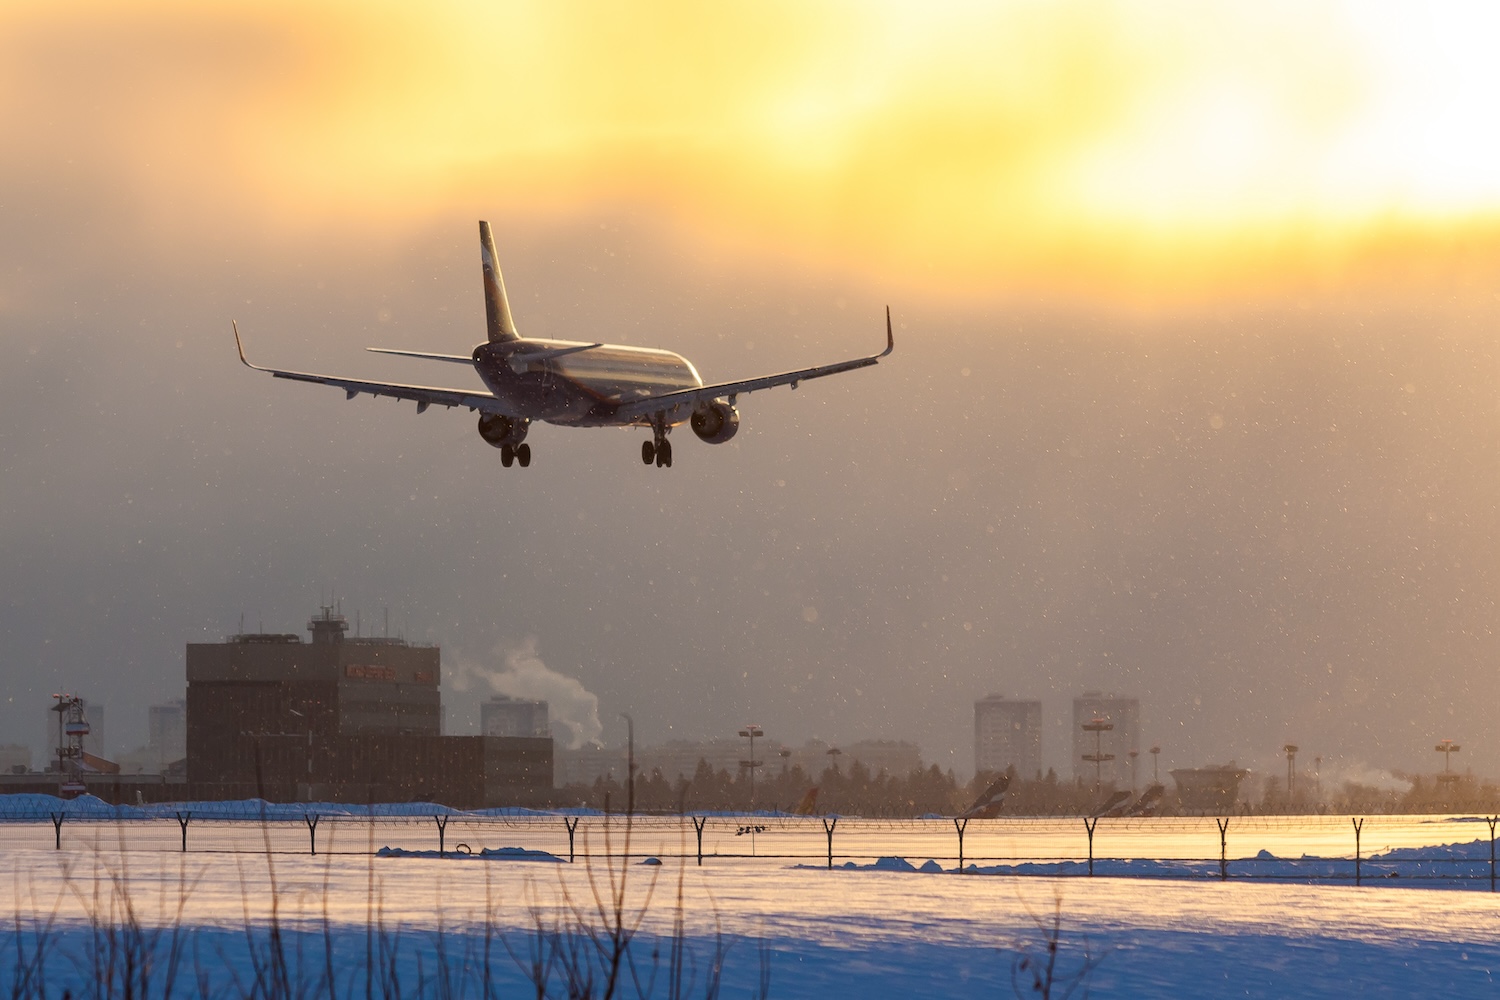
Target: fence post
x,y
698,824
828,829
571,822
442,825
182,821
960,824
1223,847
57,821
1492,820
1359,824
311,819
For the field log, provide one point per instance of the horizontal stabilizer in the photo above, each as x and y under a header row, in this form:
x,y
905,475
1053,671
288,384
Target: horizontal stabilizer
x,y
462,358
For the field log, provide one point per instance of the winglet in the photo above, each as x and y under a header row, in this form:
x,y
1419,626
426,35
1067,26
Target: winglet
x,y
890,338
239,345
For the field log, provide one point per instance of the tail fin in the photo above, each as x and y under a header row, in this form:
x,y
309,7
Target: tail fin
x,y
496,306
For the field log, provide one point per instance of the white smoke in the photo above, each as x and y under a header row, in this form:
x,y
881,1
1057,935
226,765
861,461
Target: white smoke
x,y
524,675
1364,774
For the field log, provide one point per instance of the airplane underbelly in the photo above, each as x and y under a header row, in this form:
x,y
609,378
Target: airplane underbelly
x,y
610,383
584,389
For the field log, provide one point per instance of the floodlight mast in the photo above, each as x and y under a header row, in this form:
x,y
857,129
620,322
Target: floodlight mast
x,y
750,732
1447,748
1098,725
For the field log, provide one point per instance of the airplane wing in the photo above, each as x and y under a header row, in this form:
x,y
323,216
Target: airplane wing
x,y
653,404
423,395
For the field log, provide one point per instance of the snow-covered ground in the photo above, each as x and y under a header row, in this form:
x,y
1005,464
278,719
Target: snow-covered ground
x,y
874,928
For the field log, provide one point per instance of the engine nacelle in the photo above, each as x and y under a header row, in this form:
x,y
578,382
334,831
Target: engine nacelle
x,y
499,430
715,422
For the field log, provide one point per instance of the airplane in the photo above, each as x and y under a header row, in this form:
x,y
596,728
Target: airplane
x,y
990,802
575,383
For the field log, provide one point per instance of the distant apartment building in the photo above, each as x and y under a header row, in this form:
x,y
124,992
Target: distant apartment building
x,y
166,741
506,716
1008,733
1106,726
166,730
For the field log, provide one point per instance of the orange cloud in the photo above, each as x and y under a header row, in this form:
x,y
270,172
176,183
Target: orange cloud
x,y
1117,149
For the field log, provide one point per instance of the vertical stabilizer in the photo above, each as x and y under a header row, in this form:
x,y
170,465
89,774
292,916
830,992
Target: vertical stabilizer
x,y
496,306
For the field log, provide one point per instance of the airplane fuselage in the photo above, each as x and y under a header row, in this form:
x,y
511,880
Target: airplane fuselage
x,y
578,384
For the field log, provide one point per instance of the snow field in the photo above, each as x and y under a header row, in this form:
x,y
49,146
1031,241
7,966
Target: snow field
x,y
872,930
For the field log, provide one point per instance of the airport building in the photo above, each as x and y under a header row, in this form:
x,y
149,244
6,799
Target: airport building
x,y
1008,733
1122,717
342,718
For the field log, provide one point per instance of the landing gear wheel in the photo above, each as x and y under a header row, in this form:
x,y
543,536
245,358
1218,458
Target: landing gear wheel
x,y
648,452
507,455
523,454
664,454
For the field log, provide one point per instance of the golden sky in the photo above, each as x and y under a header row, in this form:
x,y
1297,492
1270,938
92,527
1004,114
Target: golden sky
x,y
1138,150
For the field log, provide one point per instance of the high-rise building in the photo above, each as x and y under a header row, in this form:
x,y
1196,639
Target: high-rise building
x,y
1106,726
166,728
506,716
1008,732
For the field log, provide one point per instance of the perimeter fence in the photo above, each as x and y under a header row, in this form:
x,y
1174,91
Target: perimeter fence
x,y
1358,850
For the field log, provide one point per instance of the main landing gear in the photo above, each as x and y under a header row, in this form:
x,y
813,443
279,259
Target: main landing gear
x,y
520,453
658,449
661,454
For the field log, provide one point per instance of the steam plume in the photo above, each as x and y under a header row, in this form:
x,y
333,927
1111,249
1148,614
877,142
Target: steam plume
x,y
524,675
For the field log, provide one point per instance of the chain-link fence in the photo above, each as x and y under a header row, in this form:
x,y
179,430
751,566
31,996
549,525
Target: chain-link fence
x,y
1308,848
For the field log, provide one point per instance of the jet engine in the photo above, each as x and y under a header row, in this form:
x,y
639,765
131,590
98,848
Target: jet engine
x,y
499,430
715,422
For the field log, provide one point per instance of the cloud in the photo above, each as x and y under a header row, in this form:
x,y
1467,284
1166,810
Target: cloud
x,y
1087,147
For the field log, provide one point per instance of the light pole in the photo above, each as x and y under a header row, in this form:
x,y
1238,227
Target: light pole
x,y
308,726
1291,771
1447,748
750,732
1098,726
1318,777
629,765
1155,753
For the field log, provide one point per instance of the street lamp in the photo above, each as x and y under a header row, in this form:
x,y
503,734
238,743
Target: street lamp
x,y
750,732
1155,754
1291,771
